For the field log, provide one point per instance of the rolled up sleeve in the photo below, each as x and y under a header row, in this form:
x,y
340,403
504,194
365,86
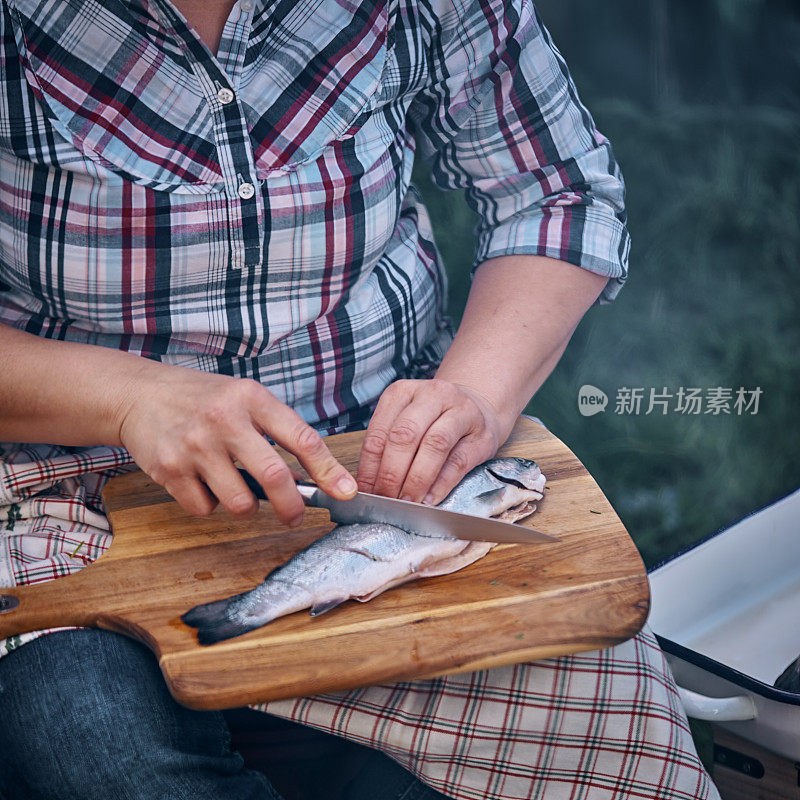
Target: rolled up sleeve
x,y
500,117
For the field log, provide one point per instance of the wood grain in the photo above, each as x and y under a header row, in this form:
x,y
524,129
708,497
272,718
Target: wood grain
x,y
519,603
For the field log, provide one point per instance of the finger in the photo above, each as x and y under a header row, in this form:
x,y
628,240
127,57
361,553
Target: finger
x,y
436,445
192,495
228,487
402,441
392,402
296,474
290,431
468,453
274,476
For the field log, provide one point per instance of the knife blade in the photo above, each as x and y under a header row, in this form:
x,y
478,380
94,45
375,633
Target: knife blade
x,y
413,517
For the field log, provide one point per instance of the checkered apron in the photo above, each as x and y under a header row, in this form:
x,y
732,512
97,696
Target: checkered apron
x,y
599,725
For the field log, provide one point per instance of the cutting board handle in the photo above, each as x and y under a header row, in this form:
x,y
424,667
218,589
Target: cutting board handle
x,y
50,604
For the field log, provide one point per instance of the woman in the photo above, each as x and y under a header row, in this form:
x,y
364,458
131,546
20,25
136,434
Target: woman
x,y
208,235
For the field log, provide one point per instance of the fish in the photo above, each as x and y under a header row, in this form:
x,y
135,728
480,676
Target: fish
x,y
363,560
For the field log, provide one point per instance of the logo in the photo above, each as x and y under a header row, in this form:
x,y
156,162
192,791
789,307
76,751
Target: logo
x,y
591,400
718,401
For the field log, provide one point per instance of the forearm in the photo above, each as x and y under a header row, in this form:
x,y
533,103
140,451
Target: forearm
x,y
520,315
61,392
184,427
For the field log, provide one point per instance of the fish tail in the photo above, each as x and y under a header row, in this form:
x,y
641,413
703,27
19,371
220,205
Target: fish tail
x,y
214,621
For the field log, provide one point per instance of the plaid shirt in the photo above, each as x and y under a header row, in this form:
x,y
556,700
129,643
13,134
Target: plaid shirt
x,y
251,213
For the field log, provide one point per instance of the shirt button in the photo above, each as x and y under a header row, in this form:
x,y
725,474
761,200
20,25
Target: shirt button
x,y
246,190
246,5
225,96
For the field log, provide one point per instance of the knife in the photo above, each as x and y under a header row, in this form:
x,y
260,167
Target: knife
x,y
413,517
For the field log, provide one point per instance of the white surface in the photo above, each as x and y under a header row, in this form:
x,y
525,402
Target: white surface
x,y
246,190
759,640
736,598
717,709
225,96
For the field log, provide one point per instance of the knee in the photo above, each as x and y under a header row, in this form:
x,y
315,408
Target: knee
x,y
91,710
44,753
53,722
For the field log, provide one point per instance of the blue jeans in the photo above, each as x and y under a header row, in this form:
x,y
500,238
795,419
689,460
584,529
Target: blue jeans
x,y
86,715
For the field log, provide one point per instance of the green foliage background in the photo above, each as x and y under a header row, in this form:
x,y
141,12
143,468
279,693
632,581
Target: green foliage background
x,y
700,101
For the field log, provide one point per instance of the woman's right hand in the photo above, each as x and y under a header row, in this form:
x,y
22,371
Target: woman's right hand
x,y
185,428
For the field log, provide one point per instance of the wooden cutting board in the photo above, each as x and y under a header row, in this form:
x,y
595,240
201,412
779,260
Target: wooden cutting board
x,y
519,603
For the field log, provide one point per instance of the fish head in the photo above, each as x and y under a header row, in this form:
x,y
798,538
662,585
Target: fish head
x,y
504,488
520,471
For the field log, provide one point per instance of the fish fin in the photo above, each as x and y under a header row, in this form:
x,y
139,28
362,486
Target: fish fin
x,y
365,598
489,503
320,608
491,494
213,622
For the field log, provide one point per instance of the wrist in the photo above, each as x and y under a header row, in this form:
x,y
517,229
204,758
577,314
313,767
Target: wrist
x,y
139,381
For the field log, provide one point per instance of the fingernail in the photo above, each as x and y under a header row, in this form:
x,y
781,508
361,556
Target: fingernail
x,y
347,485
428,499
296,522
405,497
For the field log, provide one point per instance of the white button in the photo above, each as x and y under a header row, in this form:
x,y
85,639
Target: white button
x,y
225,96
246,5
246,191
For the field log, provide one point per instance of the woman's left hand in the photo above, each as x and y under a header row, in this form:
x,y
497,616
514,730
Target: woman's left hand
x,y
424,436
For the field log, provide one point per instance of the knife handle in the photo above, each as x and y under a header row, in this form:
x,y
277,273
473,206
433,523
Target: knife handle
x,y
310,492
